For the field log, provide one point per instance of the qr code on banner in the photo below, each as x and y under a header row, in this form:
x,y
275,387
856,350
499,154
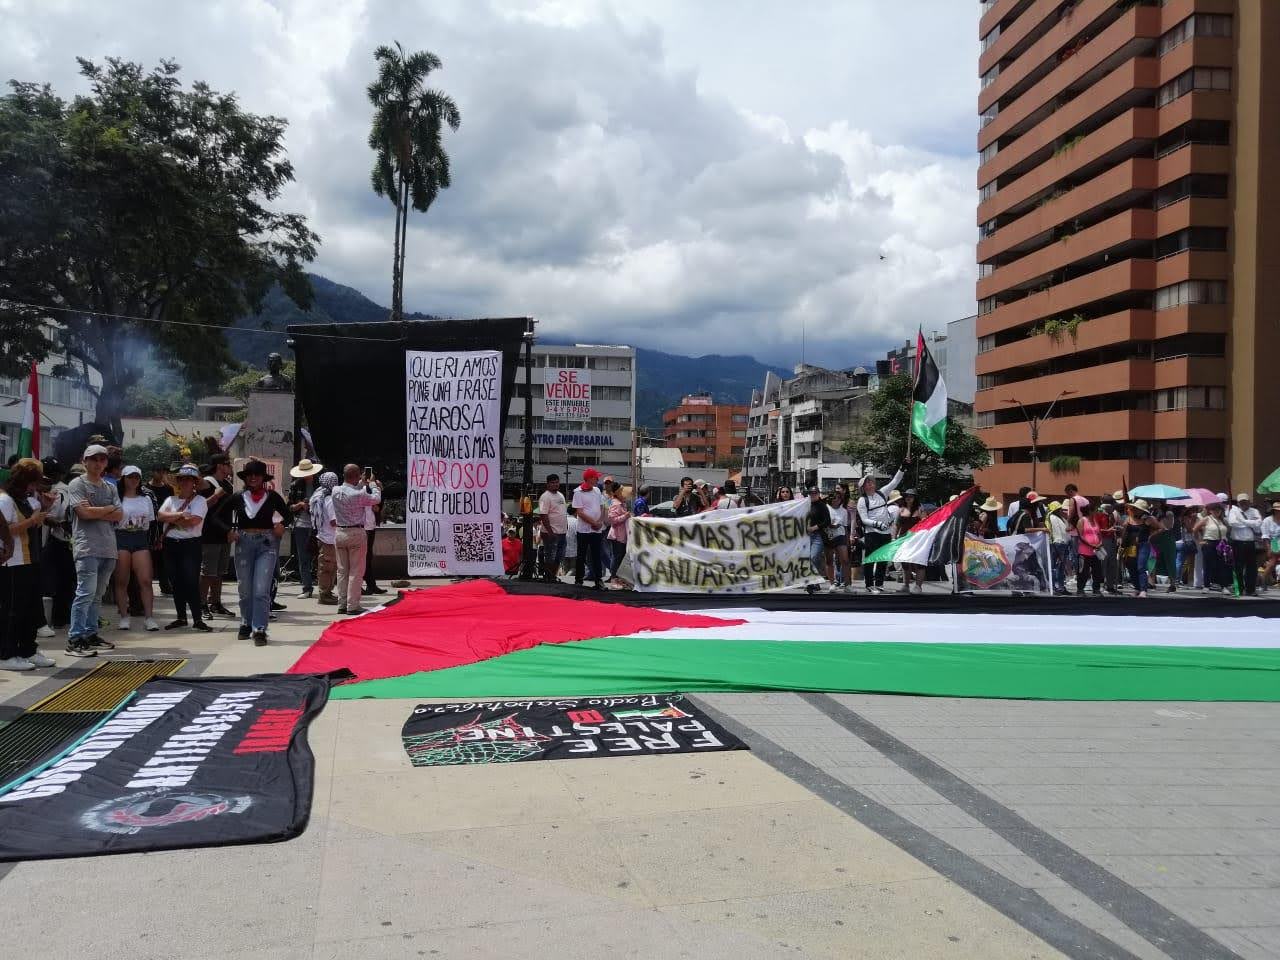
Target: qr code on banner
x,y
473,542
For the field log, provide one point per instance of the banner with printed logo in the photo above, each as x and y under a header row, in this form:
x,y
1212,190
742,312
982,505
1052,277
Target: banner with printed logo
x,y
1019,563
510,731
181,763
567,393
453,505
746,550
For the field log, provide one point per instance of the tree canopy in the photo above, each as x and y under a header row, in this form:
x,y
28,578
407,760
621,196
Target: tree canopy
x,y
139,215
883,441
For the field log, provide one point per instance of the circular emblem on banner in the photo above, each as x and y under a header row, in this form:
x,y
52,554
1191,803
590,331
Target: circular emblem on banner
x,y
985,564
159,808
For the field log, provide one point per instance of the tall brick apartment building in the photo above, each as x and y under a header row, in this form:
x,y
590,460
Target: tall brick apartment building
x,y
705,432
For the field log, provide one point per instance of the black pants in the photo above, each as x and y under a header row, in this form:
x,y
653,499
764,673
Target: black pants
x,y
1246,565
183,559
873,573
370,582
160,572
59,572
588,558
20,613
1216,573
1089,567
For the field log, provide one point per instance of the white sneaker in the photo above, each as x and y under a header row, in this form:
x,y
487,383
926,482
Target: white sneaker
x,y
150,624
46,632
40,660
124,623
16,663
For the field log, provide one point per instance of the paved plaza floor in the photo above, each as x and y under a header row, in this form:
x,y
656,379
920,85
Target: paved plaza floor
x,y
857,826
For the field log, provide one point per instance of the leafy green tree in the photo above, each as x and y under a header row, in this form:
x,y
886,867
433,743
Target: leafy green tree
x,y
140,401
239,384
883,442
410,166
132,214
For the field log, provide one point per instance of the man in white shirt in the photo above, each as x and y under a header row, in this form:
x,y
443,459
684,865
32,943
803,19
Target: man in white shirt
x,y
555,528
349,503
877,518
1246,526
588,506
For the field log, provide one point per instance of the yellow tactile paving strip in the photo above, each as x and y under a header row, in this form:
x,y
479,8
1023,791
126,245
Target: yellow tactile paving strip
x,y
105,686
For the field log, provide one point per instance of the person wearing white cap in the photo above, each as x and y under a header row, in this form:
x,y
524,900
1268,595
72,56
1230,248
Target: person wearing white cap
x,y
304,534
133,546
183,515
1246,526
95,507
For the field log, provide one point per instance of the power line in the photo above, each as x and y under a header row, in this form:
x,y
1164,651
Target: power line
x,y
183,323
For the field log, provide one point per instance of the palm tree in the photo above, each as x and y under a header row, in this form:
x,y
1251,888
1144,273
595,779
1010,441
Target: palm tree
x,y
411,166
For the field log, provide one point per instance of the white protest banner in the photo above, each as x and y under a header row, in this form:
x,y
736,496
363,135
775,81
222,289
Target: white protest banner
x,y
748,550
567,394
453,506
1018,563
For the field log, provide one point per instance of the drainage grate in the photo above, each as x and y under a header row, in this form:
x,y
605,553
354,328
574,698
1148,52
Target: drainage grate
x,y
35,735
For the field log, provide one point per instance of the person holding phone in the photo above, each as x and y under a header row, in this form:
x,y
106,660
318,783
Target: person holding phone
x,y
359,491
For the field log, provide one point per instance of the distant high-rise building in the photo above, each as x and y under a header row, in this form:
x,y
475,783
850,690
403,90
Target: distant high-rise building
x,y
1129,241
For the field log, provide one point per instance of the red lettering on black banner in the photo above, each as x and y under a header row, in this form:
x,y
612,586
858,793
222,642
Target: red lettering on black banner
x,y
270,733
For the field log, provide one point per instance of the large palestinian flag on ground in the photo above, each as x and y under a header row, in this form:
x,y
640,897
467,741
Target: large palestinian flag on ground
x,y
476,639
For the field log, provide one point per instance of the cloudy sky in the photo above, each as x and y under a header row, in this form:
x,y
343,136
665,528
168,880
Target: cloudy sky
x,y
695,175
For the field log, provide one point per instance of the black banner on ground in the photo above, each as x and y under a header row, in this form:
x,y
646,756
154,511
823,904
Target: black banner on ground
x,y
181,763
507,731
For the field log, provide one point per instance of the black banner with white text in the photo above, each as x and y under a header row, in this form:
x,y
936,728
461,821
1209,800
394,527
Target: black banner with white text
x,y
181,763
508,731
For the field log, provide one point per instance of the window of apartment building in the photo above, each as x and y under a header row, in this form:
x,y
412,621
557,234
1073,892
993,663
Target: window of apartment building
x,y
987,229
987,343
1195,185
986,305
1211,132
986,381
984,420
987,192
986,270
990,76
599,392
989,39
739,433
1194,450
1191,398
990,114
1190,345
609,363
1199,78
565,361
988,153
739,418
1192,238
1197,25
1191,291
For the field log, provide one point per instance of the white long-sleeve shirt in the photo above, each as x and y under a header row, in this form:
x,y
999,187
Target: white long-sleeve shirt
x,y
1244,524
1270,529
873,509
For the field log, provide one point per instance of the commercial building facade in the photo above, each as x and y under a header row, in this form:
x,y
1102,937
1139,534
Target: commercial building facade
x,y
1129,241
705,432
568,446
64,403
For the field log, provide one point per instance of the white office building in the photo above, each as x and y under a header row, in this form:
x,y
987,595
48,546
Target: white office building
x,y
567,446
64,403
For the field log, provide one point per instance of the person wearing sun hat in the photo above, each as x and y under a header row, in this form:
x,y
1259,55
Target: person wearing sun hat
x,y
1140,525
258,516
989,518
1246,526
183,514
304,534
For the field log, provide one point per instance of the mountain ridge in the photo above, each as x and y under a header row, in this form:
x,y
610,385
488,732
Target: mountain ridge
x,y
661,378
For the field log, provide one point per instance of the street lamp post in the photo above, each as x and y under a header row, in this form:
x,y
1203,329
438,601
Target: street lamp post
x,y
1036,423
528,566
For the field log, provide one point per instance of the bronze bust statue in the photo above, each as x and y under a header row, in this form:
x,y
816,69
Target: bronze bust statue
x,y
275,379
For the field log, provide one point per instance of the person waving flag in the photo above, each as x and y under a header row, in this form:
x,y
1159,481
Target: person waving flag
x,y
928,400
29,433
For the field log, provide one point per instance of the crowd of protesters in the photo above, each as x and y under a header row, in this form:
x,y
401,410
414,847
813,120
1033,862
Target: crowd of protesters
x,y
100,535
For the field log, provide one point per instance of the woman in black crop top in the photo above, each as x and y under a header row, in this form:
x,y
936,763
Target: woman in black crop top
x,y
257,517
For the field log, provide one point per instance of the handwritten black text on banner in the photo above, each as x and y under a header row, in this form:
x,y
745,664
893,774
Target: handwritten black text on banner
x,y
454,491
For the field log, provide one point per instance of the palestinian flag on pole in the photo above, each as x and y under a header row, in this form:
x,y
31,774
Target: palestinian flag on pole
x,y
938,538
472,640
29,433
928,400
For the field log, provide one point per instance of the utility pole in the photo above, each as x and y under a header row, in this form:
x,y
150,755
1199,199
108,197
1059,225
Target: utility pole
x,y
1036,423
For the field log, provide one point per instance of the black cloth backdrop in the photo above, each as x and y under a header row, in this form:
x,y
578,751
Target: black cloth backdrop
x,y
351,383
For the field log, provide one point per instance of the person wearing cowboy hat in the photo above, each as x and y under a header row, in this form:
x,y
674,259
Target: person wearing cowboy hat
x,y
258,516
183,514
1139,527
989,518
304,533
1059,545
1271,541
1246,526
